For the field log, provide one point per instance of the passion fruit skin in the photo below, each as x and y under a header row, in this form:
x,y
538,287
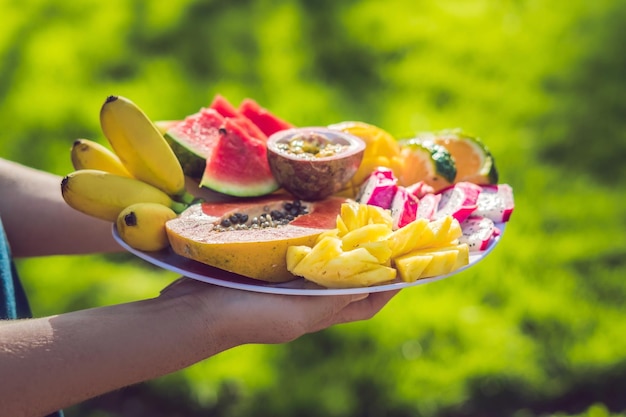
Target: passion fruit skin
x,y
314,178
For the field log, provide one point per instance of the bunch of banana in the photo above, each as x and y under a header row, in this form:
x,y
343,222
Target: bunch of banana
x,y
142,148
139,185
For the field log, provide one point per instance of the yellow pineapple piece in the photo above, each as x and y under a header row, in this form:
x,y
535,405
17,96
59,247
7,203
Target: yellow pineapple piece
x,y
380,250
442,263
378,215
414,235
326,249
444,259
295,254
365,234
411,266
446,230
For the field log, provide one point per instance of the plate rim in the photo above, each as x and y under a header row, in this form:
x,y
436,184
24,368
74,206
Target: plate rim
x,y
286,288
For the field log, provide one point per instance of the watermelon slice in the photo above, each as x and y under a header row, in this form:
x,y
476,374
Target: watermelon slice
x,y
263,118
193,139
223,107
238,164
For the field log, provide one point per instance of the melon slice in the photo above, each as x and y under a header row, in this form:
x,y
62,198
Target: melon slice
x,y
193,139
226,109
259,253
263,118
238,164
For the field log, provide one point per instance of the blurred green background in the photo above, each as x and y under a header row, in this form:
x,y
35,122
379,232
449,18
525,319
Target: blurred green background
x,y
536,329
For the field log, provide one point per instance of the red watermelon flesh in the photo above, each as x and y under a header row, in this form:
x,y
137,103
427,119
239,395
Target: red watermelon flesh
x,y
194,138
238,164
263,118
226,109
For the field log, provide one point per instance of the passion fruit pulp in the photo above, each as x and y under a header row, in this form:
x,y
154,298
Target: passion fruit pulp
x,y
313,163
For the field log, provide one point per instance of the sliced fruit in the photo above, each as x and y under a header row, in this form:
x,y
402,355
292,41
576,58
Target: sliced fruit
x,y
238,164
415,235
404,207
474,162
268,122
478,232
428,263
226,109
313,163
428,206
193,140
381,150
213,233
378,189
328,265
425,161
458,201
496,202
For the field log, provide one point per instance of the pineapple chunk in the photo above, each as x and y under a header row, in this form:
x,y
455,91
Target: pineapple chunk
x,y
410,267
365,234
414,235
295,254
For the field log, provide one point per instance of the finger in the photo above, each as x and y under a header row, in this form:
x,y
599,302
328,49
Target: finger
x,y
363,308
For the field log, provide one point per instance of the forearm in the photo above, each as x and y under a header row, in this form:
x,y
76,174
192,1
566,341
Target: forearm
x,y
39,222
58,361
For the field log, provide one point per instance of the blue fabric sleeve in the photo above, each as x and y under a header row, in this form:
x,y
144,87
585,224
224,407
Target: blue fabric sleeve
x,y
13,302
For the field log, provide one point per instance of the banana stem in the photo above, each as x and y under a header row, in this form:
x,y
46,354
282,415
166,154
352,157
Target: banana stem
x,y
178,207
186,198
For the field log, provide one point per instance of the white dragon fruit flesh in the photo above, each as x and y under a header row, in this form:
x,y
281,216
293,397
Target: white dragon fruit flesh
x,y
458,201
428,206
495,202
478,232
404,207
379,188
420,189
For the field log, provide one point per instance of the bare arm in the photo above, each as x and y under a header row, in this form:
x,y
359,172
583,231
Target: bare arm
x,y
38,221
61,360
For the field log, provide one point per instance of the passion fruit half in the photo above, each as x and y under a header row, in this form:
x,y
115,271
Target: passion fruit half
x,y
313,163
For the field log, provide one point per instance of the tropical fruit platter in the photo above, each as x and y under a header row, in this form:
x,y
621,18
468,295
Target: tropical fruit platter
x,y
237,196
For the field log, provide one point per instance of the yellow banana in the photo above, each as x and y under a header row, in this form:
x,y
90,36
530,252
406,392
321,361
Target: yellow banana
x,y
142,226
104,195
141,147
87,154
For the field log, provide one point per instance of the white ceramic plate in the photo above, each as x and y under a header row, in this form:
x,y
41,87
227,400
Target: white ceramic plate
x,y
167,259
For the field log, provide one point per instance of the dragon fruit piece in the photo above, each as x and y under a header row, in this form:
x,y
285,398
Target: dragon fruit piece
x,y
458,201
428,206
495,202
379,188
478,232
404,208
420,189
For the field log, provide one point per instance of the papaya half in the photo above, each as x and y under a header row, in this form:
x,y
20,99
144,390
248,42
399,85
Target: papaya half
x,y
250,237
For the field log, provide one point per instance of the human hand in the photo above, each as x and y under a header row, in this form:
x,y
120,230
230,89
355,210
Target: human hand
x,y
250,317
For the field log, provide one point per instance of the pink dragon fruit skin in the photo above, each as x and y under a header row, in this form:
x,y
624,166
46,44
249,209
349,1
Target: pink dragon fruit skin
x,y
495,202
458,201
428,206
478,232
404,208
379,188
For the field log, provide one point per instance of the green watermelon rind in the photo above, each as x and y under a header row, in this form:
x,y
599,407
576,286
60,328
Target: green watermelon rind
x,y
192,162
236,190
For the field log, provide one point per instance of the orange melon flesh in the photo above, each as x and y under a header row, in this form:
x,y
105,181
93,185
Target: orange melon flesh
x,y
254,253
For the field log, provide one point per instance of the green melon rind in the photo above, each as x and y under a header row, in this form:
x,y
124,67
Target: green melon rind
x,y
192,162
249,190
442,162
